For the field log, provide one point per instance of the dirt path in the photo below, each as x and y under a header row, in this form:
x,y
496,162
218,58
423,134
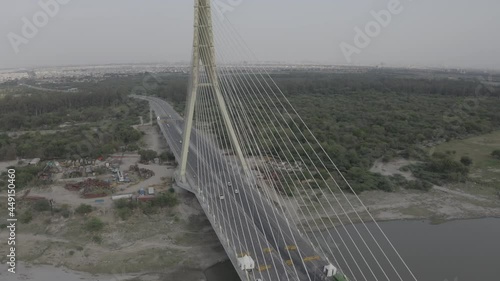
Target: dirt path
x,y
393,168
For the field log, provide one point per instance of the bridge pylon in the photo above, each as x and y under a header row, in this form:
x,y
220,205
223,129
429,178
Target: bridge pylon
x,y
204,56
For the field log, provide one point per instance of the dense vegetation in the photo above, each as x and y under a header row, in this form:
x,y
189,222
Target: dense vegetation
x,y
124,208
362,118
359,118
91,123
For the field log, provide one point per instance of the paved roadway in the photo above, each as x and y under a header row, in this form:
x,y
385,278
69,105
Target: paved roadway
x,y
248,222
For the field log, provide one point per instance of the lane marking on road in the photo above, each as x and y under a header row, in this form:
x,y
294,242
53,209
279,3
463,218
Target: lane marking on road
x,y
264,267
267,250
312,258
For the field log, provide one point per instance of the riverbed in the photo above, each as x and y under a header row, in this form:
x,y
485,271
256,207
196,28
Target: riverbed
x,y
453,251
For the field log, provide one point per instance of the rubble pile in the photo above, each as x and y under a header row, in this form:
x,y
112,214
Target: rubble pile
x,y
91,188
143,173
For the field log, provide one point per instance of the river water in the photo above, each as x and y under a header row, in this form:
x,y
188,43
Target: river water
x,y
466,250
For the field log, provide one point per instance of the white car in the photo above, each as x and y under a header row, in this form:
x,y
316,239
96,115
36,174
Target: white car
x,y
221,196
229,184
236,191
180,141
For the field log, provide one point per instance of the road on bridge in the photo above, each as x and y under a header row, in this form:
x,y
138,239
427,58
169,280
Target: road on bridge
x,y
245,221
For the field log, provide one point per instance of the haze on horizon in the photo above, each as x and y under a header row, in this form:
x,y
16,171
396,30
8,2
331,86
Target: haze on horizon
x,y
446,33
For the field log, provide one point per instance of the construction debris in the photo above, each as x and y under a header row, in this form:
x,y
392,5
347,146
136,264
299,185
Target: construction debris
x,y
91,188
143,173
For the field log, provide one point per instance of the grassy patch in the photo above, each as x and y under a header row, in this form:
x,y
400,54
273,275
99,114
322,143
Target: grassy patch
x,y
485,169
155,259
478,148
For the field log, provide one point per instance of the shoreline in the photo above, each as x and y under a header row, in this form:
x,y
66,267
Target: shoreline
x,y
47,272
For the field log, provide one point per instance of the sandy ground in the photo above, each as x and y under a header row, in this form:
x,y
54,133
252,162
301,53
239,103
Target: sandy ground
x,y
441,204
179,244
4,165
393,168
176,244
51,273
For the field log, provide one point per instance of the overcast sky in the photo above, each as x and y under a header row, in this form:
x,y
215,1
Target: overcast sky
x,y
444,33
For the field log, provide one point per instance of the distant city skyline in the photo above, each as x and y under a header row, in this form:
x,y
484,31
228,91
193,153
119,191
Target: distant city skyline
x,y
399,33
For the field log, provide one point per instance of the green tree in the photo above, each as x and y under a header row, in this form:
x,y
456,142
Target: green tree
x,y
94,225
41,206
167,156
83,209
26,217
496,154
466,160
148,155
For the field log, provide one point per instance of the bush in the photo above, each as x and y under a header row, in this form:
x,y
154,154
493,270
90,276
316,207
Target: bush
x,y
83,209
441,169
167,156
97,239
123,203
124,213
42,206
419,185
466,160
148,208
124,208
64,210
26,217
94,224
165,200
65,213
132,147
496,154
148,155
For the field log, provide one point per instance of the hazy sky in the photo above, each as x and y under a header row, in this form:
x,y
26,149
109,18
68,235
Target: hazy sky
x,y
452,33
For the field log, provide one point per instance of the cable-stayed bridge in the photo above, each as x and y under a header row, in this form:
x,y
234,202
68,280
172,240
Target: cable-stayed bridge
x,y
278,203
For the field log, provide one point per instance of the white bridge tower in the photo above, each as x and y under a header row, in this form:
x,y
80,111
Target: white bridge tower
x,y
204,56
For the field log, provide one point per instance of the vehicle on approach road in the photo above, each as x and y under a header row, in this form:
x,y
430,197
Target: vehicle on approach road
x,y
229,184
221,196
236,191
